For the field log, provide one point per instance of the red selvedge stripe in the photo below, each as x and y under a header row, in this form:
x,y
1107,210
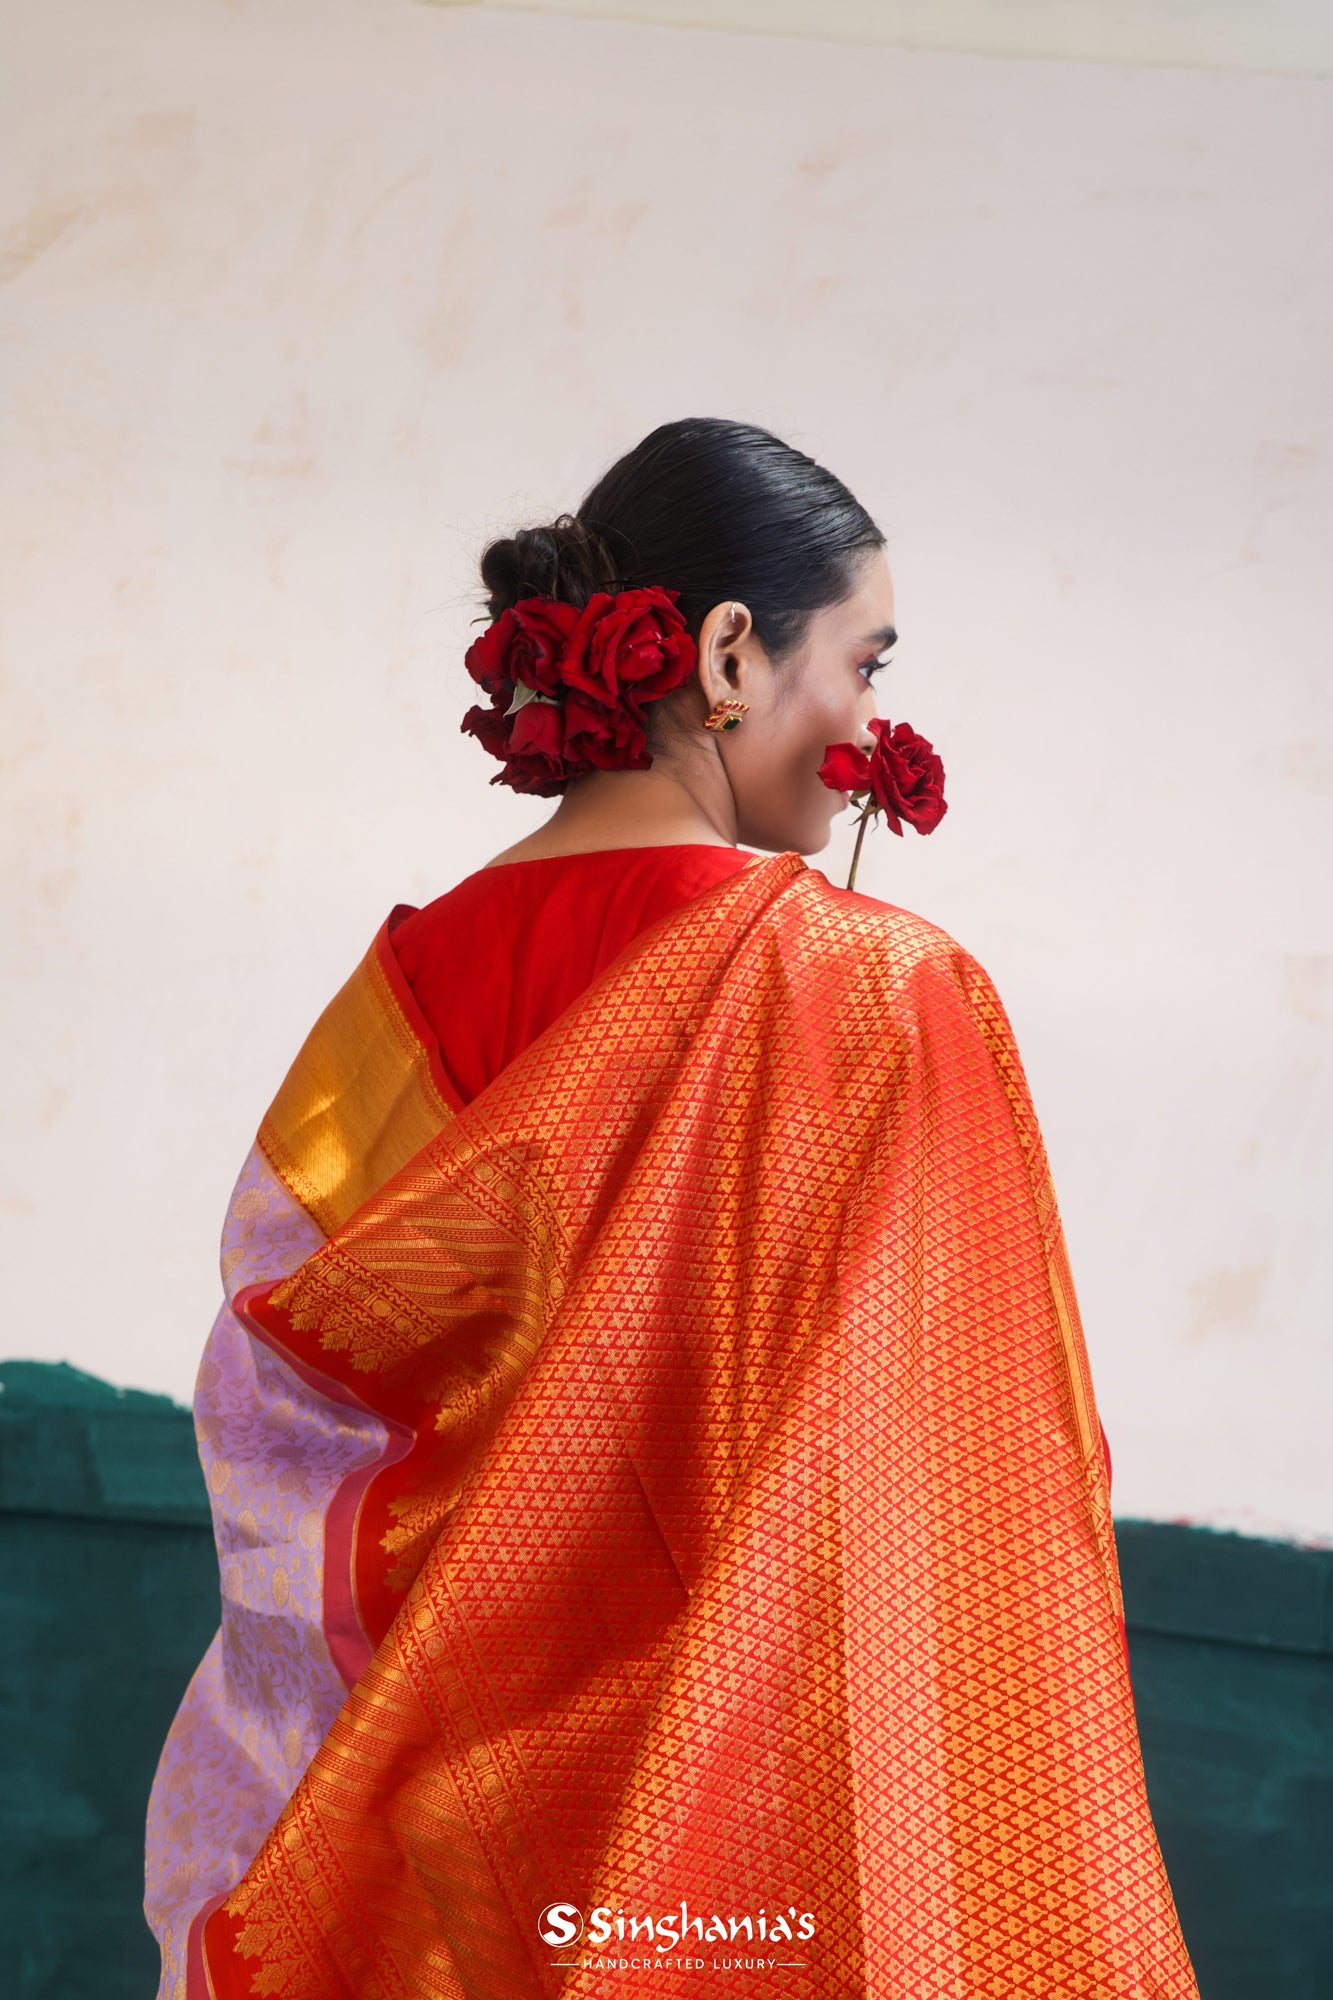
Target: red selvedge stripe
x,y
349,1643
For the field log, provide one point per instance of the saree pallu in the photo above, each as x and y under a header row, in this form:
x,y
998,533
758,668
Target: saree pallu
x,y
663,1517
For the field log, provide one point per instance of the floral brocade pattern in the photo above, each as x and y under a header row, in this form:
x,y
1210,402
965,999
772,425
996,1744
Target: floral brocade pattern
x,y
274,1453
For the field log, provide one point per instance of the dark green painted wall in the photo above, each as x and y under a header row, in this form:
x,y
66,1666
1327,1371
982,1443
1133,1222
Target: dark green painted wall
x,y
108,1601
1231,1651
109,1598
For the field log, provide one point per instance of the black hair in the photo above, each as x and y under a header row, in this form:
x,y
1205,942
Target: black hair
x,y
709,508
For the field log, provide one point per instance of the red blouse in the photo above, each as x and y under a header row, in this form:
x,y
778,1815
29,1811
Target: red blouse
x,y
494,961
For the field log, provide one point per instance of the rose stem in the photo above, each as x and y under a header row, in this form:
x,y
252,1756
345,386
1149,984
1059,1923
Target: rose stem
x,y
860,836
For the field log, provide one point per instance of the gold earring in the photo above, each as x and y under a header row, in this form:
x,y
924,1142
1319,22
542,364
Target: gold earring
x,y
726,714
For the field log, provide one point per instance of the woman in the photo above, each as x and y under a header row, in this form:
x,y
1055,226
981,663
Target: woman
x,y
663,1519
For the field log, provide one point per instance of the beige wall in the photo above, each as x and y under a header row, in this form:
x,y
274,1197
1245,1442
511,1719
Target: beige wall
x,y
1282,37
304,298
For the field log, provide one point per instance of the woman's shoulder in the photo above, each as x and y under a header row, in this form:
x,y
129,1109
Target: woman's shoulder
x,y
885,954
855,918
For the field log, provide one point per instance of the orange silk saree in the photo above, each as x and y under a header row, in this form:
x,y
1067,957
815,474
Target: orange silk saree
x,y
697,1562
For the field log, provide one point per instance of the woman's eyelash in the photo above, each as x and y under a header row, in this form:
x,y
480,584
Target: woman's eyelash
x,y
875,666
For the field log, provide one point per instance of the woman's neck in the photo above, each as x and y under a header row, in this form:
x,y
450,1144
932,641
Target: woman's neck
x,y
627,809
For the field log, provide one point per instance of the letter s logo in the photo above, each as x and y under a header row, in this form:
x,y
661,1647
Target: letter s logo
x,y
559,1923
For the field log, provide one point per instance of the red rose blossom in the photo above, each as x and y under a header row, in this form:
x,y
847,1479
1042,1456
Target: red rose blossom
x,y
531,742
629,648
523,646
602,739
902,778
906,777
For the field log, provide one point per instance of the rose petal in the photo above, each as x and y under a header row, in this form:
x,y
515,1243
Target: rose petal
x,y
845,768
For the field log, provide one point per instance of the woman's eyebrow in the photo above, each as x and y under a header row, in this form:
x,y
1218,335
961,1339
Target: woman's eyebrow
x,y
886,636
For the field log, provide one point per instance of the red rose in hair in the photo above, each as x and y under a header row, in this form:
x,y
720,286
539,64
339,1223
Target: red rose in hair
x,y
567,686
602,739
523,646
522,649
901,778
489,727
633,646
530,742
537,730
534,752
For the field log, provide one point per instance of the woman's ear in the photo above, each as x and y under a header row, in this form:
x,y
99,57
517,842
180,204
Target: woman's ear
x,y
726,642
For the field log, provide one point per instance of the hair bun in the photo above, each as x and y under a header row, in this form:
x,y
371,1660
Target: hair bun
x,y
566,560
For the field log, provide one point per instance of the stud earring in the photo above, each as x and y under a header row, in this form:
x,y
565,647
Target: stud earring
x,y
726,714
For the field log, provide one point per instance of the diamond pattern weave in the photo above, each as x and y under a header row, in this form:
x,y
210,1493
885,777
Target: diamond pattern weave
x,y
755,1548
